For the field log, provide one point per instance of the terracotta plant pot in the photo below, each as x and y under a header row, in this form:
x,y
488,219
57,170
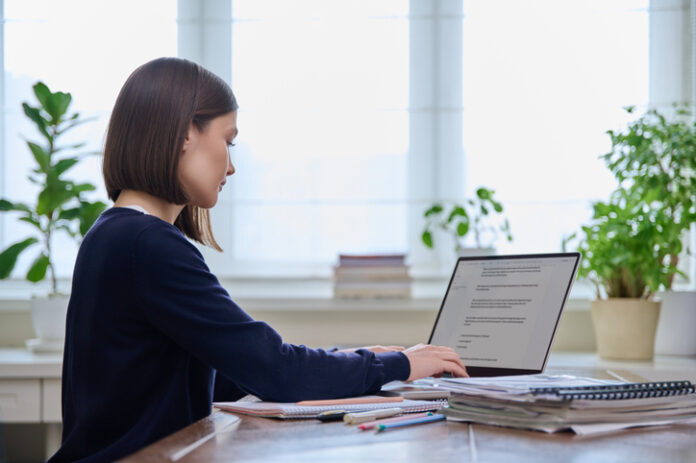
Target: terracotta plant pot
x,y
625,328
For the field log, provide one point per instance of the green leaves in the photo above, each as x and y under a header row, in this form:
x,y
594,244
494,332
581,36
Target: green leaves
x,y
35,115
61,205
89,213
462,228
434,209
484,193
43,159
37,271
427,238
8,258
55,104
55,194
472,214
633,243
626,250
64,164
6,205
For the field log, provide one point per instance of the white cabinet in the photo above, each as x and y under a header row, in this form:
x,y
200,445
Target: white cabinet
x,y
20,400
51,401
29,387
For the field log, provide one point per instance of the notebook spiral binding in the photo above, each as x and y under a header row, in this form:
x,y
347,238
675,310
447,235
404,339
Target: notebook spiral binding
x,y
618,391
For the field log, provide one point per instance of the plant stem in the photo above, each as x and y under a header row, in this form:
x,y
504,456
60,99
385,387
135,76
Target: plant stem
x,y
47,236
51,223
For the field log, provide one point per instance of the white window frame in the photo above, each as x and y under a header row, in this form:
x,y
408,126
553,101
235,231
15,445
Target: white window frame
x,y
435,129
435,74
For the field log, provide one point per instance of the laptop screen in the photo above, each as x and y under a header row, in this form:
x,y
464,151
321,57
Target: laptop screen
x,y
500,313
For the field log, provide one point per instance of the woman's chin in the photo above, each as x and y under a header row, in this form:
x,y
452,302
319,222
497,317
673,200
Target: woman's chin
x,y
206,204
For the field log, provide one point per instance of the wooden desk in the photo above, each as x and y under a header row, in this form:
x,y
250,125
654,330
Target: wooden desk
x,y
260,439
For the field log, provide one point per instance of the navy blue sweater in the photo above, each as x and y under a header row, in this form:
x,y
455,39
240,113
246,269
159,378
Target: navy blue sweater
x,y
149,326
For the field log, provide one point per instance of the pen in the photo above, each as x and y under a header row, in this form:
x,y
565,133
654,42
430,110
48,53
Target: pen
x,y
332,415
410,416
398,424
363,417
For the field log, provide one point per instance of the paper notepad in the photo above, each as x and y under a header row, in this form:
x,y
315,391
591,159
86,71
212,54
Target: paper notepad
x,y
293,410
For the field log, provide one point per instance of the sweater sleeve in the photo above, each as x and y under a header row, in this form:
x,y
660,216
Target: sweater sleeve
x,y
182,298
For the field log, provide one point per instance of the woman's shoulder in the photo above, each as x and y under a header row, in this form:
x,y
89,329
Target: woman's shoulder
x,y
143,238
129,222
128,225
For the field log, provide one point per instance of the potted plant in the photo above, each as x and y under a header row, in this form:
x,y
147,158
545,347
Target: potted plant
x,y
625,258
473,216
61,206
655,157
631,247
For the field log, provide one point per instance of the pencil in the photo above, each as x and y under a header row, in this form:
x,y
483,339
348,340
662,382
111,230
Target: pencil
x,y
398,424
375,423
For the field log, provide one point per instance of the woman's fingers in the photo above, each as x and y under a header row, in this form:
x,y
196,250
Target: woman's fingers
x,y
456,369
427,360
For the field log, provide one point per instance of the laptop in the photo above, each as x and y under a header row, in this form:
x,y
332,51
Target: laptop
x,y
500,313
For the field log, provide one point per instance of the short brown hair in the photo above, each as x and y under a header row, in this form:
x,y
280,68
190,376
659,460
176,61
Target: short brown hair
x,y
147,130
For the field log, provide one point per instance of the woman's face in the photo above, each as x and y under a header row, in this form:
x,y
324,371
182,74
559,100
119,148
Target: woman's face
x,y
205,160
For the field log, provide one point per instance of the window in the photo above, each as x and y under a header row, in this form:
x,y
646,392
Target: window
x,y
79,46
347,126
322,154
543,81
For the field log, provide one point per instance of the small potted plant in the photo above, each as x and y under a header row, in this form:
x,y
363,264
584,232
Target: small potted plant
x,y
472,216
655,157
627,259
61,206
632,245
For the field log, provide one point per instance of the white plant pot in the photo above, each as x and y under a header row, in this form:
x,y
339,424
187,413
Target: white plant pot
x,y
675,330
625,328
48,316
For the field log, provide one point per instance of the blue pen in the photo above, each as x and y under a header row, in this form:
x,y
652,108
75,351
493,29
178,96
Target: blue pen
x,y
398,424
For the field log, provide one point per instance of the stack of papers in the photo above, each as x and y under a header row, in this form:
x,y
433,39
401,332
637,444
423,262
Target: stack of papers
x,y
519,402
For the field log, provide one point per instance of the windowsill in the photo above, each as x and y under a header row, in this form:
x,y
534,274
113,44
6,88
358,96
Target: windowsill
x,y
280,294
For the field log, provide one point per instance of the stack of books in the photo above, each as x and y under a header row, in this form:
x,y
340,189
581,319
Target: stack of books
x,y
584,409
372,276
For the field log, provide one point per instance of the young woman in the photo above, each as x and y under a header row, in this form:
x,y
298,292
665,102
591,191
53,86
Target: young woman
x,y
152,337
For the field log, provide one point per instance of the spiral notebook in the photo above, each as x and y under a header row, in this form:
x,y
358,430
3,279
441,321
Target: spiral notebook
x,y
584,409
618,391
294,410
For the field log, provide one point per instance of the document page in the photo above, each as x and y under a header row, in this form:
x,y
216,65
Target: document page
x,y
502,313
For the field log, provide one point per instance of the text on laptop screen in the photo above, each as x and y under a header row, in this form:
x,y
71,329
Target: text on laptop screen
x,y
502,313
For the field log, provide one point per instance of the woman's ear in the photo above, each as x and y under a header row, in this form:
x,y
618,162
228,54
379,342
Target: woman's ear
x,y
191,137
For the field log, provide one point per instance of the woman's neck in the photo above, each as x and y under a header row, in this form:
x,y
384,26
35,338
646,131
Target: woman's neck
x,y
152,204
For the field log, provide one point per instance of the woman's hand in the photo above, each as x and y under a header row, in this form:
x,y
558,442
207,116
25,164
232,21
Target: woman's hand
x,y
376,349
428,360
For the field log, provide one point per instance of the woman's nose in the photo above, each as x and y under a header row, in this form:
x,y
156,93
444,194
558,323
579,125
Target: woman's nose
x,y
230,167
